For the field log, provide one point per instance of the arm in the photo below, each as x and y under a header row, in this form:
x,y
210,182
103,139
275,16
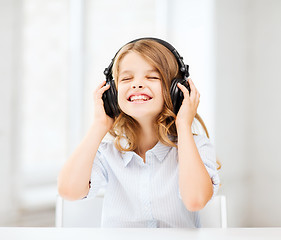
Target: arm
x,y
194,181
73,179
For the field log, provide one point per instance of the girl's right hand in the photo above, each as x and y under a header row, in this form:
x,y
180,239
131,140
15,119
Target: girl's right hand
x,y
100,117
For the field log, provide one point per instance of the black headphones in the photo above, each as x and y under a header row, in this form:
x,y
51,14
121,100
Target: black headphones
x,y
110,96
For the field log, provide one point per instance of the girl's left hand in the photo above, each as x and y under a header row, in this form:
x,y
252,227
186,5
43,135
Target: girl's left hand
x,y
189,105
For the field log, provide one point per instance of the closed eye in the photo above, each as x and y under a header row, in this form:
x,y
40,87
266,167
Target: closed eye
x,y
126,79
153,78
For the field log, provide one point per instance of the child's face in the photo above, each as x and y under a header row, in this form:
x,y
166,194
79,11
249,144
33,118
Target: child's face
x,y
139,88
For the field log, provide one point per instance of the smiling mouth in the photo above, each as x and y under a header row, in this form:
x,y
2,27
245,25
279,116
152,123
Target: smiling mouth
x,y
139,98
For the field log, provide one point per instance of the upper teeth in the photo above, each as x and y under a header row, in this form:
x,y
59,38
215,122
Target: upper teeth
x,y
139,97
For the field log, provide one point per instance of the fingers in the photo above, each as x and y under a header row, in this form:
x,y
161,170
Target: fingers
x,y
184,90
193,90
101,88
193,96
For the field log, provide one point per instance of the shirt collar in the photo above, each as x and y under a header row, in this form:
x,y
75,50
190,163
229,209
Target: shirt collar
x,y
159,151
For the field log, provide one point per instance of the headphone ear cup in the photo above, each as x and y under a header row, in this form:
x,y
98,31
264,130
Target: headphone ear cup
x,y
109,98
176,94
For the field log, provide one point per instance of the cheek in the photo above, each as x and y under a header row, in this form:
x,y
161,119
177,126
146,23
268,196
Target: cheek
x,y
121,97
162,97
160,93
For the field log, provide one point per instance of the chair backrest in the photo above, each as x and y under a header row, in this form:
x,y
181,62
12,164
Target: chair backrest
x,y
213,215
80,213
87,212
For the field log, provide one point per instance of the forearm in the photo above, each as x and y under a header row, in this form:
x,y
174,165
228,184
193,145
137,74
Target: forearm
x,y
73,180
194,181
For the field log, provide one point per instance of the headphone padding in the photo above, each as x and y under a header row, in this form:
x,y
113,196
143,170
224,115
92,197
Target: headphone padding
x,y
176,94
110,100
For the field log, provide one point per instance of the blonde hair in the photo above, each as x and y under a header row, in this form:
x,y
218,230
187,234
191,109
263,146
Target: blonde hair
x,y
163,60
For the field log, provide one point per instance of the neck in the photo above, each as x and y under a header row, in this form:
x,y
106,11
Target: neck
x,y
148,138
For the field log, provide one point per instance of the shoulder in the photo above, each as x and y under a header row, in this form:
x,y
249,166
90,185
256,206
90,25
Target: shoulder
x,y
202,140
106,145
204,145
107,150
205,148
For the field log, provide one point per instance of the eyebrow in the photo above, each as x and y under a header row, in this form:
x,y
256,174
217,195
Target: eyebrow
x,y
153,71
148,71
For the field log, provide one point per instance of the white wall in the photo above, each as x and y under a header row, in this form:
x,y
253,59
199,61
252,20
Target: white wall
x,y
266,114
247,114
43,105
9,73
33,129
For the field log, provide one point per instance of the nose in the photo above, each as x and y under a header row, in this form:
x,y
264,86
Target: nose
x,y
137,83
137,86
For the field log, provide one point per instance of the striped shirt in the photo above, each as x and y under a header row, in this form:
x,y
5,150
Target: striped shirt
x,y
146,194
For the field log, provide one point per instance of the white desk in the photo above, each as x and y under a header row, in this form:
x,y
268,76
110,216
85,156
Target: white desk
x,y
139,234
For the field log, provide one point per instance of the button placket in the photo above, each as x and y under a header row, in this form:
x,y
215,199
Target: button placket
x,y
149,167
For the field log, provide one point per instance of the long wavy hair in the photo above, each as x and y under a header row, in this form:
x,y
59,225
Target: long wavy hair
x,y
166,64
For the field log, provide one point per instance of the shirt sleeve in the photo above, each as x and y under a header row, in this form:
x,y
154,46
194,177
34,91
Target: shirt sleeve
x,y
99,176
208,156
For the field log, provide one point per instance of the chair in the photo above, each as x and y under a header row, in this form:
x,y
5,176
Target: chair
x,y
87,212
79,213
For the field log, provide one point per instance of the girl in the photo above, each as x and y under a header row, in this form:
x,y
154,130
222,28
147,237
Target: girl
x,y
157,173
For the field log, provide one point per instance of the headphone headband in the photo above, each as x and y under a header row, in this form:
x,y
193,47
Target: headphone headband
x,y
182,67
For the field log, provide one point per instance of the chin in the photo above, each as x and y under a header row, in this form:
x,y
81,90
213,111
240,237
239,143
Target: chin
x,y
140,116
140,113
